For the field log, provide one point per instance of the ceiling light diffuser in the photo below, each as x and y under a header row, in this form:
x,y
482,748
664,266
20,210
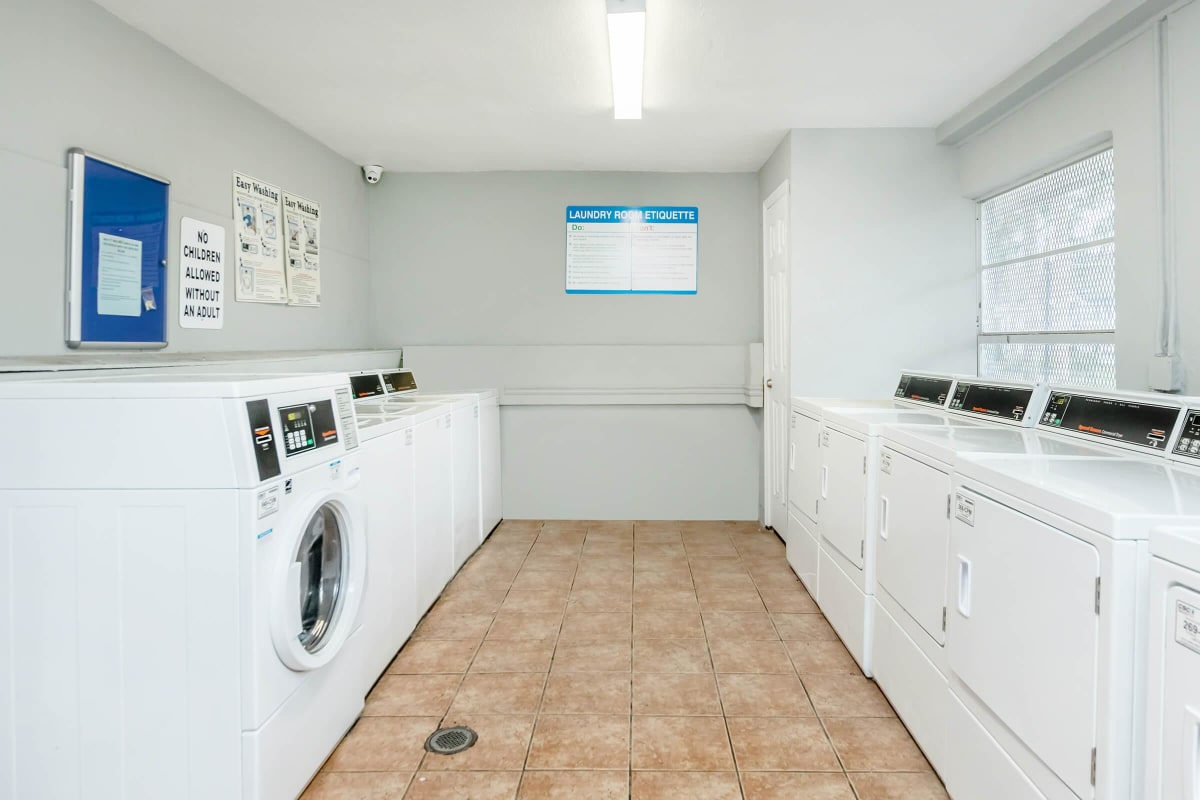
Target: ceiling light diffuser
x,y
627,55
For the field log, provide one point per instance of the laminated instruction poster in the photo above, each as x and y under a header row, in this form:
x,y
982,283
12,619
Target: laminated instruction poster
x,y
302,229
259,246
632,249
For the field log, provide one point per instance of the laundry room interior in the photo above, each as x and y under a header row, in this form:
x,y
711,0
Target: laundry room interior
x,y
600,400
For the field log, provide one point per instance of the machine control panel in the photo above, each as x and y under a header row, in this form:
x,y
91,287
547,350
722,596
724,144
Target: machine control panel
x,y
262,439
1128,421
1004,402
1189,438
366,386
307,426
399,380
924,389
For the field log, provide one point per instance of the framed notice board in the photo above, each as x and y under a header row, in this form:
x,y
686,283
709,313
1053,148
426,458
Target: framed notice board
x,y
117,220
632,249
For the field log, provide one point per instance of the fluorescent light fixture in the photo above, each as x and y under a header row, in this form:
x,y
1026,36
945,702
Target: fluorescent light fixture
x,y
627,55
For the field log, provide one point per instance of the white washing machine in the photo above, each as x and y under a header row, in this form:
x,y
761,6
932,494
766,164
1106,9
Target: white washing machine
x,y
921,390
1046,630
183,561
1173,696
432,482
389,608
476,443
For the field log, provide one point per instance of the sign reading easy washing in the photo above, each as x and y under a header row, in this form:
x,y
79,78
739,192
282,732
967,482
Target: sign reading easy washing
x,y
632,249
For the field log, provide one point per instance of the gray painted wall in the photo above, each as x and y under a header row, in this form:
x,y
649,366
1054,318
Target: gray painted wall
x,y
478,260
76,76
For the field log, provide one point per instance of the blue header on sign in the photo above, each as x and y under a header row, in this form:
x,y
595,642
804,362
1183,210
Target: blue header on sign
x,y
675,215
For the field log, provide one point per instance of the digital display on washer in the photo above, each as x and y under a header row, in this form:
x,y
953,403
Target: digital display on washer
x,y
1005,402
1140,424
307,426
924,389
400,380
366,386
1189,438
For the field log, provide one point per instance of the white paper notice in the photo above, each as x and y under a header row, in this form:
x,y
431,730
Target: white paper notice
x,y
201,274
636,250
256,213
302,219
119,276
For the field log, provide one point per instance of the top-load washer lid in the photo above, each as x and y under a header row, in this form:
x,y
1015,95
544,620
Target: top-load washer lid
x,y
944,443
390,409
871,422
1118,497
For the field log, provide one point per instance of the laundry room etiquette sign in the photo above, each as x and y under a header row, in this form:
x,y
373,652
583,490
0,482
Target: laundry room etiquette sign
x,y
201,274
632,249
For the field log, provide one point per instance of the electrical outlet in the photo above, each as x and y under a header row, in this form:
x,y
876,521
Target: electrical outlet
x,y
1166,374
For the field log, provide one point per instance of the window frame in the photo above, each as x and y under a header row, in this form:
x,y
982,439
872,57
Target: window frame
x,y
1034,337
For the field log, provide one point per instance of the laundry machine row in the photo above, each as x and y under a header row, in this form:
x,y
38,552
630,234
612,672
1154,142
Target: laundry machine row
x,y
807,477
842,473
433,482
183,560
1044,646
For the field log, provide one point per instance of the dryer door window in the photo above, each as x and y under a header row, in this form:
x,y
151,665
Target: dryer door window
x,y
322,559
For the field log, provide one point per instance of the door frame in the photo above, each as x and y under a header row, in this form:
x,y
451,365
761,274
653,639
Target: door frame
x,y
783,189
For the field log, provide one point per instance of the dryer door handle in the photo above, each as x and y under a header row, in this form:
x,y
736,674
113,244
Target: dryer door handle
x,y
824,483
792,456
964,587
884,507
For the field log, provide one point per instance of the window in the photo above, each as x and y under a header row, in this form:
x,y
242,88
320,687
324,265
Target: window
x,y
1048,309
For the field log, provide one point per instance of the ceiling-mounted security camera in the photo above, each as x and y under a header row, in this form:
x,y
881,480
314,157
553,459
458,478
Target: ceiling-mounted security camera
x,y
372,172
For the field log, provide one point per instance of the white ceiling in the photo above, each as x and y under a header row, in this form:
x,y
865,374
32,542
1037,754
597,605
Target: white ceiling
x,y
461,85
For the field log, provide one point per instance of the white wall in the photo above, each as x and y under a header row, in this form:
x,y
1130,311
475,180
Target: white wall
x,y
75,76
630,406
883,268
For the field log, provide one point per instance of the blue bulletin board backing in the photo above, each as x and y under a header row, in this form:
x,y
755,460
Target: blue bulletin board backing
x,y
117,219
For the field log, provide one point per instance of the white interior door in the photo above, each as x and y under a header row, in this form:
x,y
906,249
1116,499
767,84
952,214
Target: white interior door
x,y
777,358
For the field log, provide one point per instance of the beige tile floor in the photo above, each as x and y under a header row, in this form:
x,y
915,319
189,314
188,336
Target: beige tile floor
x,y
608,660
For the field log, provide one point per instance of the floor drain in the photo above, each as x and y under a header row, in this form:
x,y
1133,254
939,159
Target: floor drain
x,y
448,741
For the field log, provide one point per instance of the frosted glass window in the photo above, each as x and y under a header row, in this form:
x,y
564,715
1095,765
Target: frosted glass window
x,y
1047,260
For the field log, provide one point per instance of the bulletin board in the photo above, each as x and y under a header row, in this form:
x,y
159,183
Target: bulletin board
x,y
117,219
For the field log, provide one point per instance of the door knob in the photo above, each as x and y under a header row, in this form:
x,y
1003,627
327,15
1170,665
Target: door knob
x,y
769,383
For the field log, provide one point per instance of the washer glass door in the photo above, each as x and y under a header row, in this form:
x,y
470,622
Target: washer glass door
x,y
321,555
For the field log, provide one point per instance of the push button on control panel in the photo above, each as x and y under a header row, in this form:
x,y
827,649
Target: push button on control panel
x,y
1189,437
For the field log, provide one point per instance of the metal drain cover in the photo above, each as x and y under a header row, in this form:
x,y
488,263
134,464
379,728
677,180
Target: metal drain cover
x,y
448,741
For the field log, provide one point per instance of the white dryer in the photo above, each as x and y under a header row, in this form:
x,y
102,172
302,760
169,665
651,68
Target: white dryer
x,y
183,561
913,540
1173,696
1046,632
921,390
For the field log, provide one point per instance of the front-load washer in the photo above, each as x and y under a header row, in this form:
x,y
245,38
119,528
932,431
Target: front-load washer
x,y
183,562
1046,628
921,390
1173,693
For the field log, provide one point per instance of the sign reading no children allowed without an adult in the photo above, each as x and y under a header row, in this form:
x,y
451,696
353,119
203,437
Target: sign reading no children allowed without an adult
x,y
201,274
632,249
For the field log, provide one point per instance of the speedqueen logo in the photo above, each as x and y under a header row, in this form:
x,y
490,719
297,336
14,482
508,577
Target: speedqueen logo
x,y
964,509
